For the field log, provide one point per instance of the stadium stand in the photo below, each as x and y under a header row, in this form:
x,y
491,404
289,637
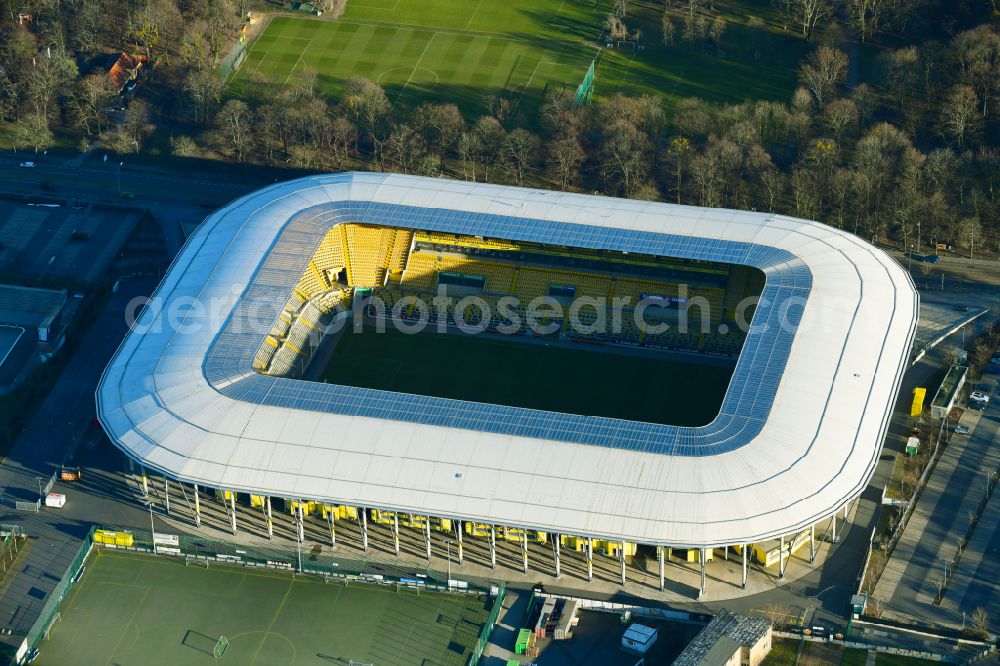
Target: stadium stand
x,y
400,263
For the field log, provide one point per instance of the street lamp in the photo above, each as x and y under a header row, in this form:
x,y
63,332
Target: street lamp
x,y
448,543
118,175
38,480
152,530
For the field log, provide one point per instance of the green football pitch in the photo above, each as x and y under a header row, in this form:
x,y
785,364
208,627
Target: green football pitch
x,y
538,376
464,50
150,611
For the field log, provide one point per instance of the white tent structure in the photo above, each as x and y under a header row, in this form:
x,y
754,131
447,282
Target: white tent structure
x,y
798,436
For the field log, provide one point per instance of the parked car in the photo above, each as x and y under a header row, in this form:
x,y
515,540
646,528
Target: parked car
x,y
979,396
978,406
27,165
961,430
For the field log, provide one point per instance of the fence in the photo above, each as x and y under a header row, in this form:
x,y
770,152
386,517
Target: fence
x,y
484,634
232,60
196,550
50,610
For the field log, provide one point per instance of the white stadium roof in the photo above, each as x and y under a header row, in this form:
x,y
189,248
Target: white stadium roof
x,y
799,433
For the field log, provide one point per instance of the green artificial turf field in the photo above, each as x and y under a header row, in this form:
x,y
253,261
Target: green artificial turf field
x,y
151,611
522,374
463,50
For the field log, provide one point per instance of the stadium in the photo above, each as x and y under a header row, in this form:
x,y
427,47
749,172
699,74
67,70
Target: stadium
x,y
593,373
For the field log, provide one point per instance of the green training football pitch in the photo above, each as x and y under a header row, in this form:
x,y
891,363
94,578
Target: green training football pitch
x,y
537,376
463,50
149,611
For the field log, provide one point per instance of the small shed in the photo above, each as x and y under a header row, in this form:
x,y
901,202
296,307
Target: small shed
x,y
638,638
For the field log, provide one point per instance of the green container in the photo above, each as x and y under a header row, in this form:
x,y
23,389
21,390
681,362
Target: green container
x,y
523,636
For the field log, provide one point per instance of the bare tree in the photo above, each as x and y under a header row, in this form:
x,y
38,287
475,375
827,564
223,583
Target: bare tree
x,y
564,158
520,151
958,114
405,148
667,27
204,89
491,137
839,115
367,102
677,157
183,146
980,621
971,229
47,77
978,55
32,131
822,72
807,14
624,157
616,28
867,16
155,27
235,126
91,100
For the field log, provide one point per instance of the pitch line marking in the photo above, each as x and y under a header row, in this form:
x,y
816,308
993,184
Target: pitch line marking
x,y
301,53
417,65
471,18
527,84
131,621
378,9
273,620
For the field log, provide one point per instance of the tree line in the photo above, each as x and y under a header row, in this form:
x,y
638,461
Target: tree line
x,y
901,149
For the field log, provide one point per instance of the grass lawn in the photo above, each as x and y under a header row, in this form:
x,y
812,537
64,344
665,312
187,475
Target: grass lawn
x,y
462,50
854,657
523,374
136,609
782,653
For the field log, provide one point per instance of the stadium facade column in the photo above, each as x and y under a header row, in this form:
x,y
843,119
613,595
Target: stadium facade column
x,y
145,481
833,522
395,531
302,523
781,556
555,552
743,583
701,561
166,495
493,546
524,551
812,544
364,528
461,549
197,507
267,517
427,536
590,559
232,509
621,559
330,518
663,578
